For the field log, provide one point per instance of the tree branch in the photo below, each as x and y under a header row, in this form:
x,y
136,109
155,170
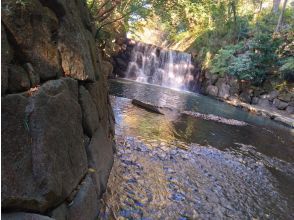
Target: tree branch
x,y
115,20
102,6
93,3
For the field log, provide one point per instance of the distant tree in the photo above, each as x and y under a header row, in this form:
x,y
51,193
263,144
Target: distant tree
x,y
276,5
280,21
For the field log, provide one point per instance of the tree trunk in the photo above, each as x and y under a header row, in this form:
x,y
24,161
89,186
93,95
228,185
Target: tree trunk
x,y
281,17
260,6
233,5
276,4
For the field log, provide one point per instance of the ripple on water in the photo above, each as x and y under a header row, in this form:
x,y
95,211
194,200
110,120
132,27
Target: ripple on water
x,y
214,185
159,174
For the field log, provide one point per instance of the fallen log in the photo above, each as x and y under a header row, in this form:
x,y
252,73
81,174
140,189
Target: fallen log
x,y
147,106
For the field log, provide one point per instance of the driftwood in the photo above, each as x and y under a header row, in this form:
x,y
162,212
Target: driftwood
x,y
147,106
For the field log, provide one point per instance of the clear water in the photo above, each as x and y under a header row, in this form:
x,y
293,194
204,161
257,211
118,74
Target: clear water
x,y
183,100
179,167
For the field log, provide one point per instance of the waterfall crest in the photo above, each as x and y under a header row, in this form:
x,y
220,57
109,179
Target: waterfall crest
x,y
154,65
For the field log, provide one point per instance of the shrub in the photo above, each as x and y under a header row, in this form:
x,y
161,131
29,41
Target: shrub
x,y
287,69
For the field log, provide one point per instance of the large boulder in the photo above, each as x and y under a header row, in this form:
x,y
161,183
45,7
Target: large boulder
x,y
211,78
286,97
290,109
43,155
234,87
85,204
7,55
246,96
33,76
107,69
224,91
100,98
76,44
264,102
24,216
220,81
100,158
280,104
33,28
120,66
272,95
255,100
89,112
18,79
212,90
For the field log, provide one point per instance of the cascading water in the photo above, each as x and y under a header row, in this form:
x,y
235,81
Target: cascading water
x,y
151,64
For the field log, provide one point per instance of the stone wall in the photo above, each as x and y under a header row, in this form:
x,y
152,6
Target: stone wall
x,y
57,121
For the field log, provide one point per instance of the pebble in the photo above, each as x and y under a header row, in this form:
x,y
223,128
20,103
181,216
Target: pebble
x,y
192,183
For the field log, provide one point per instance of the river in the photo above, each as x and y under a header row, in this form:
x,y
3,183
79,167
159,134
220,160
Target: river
x,y
180,167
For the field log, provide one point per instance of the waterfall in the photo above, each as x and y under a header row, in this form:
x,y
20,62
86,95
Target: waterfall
x,y
154,65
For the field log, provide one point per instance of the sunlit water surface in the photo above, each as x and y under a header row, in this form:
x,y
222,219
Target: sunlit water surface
x,y
179,167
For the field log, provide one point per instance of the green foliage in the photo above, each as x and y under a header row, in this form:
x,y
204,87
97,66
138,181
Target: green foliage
x,y
287,69
22,3
242,66
224,58
227,36
249,60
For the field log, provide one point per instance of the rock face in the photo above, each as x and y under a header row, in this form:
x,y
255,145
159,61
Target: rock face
x,y
83,205
223,90
212,90
24,216
122,59
100,157
51,119
281,105
90,113
18,79
54,94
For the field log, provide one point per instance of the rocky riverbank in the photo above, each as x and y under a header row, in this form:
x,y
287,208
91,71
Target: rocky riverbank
x,y
57,121
267,102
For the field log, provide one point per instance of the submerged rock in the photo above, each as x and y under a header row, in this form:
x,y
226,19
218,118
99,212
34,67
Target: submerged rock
x,y
215,118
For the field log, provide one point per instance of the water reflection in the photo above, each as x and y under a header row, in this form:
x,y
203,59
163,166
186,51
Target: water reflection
x,y
183,100
134,121
238,172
